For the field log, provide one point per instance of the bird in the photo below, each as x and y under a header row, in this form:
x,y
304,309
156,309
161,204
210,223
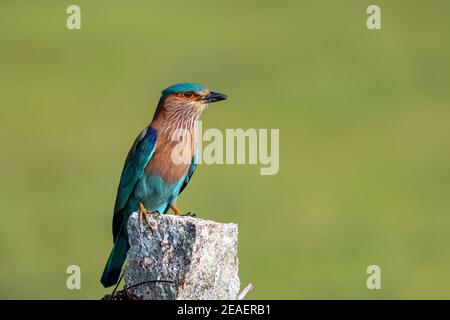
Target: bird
x,y
159,165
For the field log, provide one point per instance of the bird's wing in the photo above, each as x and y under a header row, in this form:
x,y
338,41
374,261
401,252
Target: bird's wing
x,y
139,155
191,170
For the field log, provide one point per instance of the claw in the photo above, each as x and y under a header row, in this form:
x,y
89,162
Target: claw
x,y
190,214
144,212
178,212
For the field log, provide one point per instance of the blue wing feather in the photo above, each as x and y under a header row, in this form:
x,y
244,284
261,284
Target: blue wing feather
x,y
191,170
140,154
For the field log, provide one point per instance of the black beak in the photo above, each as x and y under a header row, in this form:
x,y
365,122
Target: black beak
x,y
214,97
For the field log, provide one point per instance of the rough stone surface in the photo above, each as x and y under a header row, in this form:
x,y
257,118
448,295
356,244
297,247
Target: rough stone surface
x,y
199,257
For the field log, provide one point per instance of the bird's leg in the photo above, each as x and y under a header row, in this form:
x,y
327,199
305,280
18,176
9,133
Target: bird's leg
x,y
175,209
144,212
178,211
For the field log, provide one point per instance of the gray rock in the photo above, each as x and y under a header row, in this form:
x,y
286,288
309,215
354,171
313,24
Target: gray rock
x,y
197,259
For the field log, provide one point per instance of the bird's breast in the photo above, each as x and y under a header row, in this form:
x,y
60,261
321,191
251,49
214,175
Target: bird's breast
x,y
171,159
154,192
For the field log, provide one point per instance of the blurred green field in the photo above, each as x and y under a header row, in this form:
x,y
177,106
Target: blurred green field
x,y
364,119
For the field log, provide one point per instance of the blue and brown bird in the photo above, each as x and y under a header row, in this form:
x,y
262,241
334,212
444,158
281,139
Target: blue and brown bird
x,y
152,178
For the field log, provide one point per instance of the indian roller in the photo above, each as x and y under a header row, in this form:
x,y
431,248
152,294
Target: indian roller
x,y
152,178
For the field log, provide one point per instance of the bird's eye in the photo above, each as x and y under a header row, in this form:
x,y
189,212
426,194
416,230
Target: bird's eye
x,y
188,94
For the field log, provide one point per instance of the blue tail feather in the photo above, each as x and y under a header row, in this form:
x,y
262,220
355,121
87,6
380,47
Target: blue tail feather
x,y
115,262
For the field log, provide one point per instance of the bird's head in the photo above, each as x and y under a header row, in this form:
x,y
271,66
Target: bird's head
x,y
187,100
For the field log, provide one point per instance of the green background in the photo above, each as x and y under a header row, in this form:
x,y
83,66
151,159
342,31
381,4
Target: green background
x,y
364,119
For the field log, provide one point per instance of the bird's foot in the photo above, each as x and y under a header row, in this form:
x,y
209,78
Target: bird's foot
x,y
188,214
143,212
178,212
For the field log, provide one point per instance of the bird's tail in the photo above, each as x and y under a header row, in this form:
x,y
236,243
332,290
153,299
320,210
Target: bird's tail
x,y
116,259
